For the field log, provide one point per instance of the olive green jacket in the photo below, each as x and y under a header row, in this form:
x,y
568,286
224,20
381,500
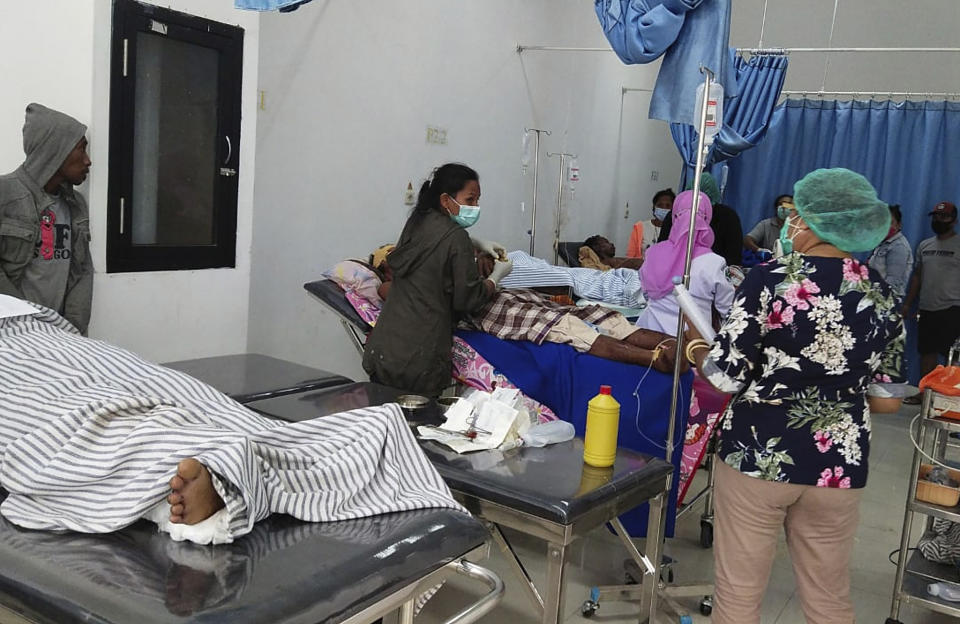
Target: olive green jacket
x,y
435,283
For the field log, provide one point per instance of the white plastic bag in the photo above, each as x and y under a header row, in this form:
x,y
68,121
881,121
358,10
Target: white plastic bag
x,y
549,433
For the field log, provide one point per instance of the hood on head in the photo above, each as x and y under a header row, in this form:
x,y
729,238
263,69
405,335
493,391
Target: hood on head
x,y
48,138
419,238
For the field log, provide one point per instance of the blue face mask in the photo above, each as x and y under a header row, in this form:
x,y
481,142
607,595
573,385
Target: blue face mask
x,y
661,213
468,215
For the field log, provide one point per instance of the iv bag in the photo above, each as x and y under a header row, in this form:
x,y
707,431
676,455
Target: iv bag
x,y
573,171
714,111
526,155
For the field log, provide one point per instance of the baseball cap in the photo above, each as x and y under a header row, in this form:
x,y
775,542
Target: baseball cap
x,y
944,208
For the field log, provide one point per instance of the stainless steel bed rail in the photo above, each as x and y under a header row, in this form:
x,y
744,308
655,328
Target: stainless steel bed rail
x,y
403,601
470,613
486,603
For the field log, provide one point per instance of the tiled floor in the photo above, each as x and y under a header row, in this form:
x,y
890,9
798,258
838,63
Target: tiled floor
x,y
598,559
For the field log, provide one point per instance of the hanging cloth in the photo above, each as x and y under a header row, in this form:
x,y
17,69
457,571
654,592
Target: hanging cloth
x,y
746,116
687,33
640,32
703,40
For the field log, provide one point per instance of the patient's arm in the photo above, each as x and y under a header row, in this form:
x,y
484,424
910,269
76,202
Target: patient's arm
x,y
623,263
383,290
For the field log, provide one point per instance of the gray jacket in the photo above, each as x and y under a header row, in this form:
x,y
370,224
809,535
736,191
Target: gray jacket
x,y
48,138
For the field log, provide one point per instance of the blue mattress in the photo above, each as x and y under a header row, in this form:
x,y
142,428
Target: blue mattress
x,y
564,380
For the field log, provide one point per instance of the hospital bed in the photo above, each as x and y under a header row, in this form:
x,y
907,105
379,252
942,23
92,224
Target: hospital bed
x,y
569,252
247,377
285,570
548,493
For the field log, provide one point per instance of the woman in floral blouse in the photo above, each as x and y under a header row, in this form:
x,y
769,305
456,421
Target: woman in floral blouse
x,y
808,338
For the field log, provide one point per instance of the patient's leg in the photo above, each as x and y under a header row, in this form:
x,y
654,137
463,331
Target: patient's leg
x,y
194,498
663,346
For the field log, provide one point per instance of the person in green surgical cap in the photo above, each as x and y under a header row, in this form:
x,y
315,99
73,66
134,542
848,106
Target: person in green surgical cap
x,y
813,343
725,223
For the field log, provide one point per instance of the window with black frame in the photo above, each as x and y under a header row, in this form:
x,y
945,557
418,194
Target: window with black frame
x,y
174,140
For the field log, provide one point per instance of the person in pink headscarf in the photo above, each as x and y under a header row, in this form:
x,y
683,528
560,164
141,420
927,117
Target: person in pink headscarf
x,y
709,285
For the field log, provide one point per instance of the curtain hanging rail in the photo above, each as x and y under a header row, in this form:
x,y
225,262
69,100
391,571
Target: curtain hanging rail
x,y
927,94
525,48
805,50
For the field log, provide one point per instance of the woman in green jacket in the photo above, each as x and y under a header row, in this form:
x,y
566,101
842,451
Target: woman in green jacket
x,y
435,282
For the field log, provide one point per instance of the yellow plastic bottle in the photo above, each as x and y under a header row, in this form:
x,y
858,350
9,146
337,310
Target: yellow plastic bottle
x,y
603,424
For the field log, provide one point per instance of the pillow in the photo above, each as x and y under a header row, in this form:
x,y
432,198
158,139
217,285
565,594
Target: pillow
x,y
353,276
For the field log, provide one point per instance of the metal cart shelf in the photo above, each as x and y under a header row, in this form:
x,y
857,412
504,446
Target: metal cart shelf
x,y
914,572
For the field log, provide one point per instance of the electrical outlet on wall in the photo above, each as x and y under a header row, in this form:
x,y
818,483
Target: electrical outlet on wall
x,y
626,211
654,175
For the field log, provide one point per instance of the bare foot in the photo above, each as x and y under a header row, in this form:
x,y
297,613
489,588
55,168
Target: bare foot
x,y
194,498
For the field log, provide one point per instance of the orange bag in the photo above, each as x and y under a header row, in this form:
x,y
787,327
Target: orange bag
x,y
943,379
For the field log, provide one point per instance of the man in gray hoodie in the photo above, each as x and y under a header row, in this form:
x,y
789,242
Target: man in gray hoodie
x,y
44,223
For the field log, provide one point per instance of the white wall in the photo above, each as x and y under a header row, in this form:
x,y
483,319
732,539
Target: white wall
x,y
349,90
62,49
860,23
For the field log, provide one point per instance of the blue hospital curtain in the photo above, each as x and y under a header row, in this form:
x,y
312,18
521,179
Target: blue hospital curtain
x,y
687,33
746,116
703,40
908,151
639,31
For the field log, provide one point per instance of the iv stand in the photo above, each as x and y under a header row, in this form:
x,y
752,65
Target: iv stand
x,y
536,181
667,593
556,217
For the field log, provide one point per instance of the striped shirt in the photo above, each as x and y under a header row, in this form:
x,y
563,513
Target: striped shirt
x,y
90,435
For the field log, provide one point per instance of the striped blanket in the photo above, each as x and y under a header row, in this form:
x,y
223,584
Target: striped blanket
x,y
90,435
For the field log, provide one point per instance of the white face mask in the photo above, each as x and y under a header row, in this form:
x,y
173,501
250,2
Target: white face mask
x,y
660,213
786,239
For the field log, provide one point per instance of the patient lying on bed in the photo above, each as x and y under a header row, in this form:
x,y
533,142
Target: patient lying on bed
x,y
599,253
619,287
599,331
527,315
93,438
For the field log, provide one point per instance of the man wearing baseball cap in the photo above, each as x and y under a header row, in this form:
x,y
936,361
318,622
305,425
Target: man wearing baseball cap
x,y
937,280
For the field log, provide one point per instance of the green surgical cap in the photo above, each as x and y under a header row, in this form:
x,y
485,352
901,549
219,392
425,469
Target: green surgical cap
x,y
841,207
708,186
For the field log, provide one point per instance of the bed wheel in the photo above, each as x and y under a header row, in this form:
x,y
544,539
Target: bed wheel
x,y
706,605
588,608
706,534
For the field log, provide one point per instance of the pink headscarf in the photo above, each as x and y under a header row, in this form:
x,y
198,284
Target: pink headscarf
x,y
665,260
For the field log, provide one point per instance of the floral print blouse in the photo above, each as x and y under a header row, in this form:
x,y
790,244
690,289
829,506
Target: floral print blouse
x,y
805,338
